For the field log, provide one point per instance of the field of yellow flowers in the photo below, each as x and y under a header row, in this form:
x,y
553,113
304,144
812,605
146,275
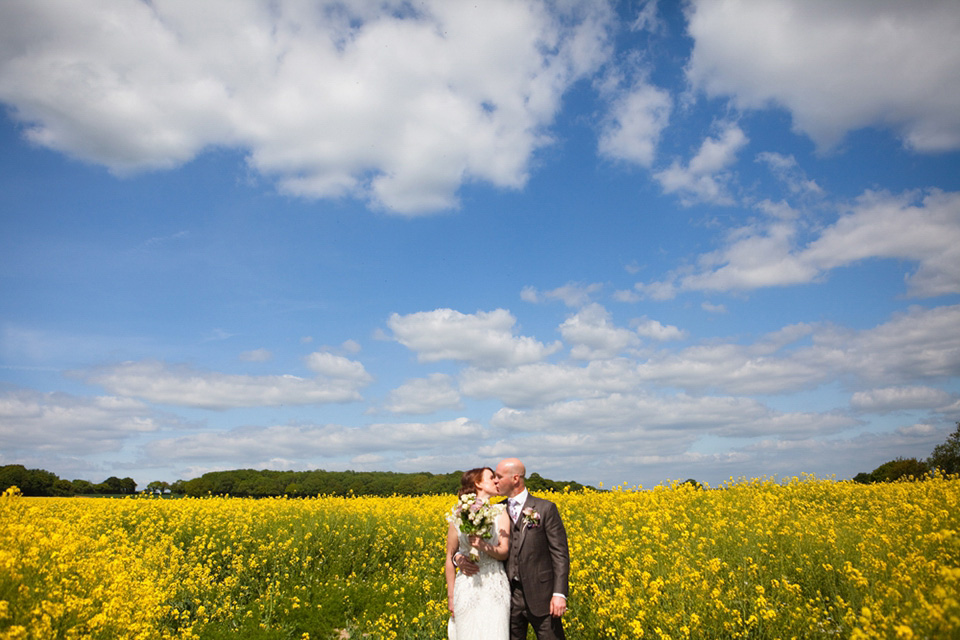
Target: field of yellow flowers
x,y
797,558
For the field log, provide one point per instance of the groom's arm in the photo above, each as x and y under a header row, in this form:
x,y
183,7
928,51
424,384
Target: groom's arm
x,y
559,557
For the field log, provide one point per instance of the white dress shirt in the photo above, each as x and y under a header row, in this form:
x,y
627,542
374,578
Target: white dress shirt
x,y
515,504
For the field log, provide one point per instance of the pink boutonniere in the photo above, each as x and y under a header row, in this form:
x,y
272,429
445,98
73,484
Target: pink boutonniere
x,y
531,518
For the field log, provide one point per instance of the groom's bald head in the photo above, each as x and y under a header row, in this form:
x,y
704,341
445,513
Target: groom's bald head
x,y
513,466
510,477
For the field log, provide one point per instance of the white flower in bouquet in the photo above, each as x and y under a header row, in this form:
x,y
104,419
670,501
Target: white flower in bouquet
x,y
475,516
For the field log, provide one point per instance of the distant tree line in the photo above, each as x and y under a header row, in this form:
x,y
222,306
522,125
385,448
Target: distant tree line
x,y
945,458
37,482
261,483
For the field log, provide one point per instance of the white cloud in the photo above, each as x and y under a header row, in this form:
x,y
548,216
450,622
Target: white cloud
x,y
788,171
392,103
571,294
915,345
338,368
836,66
351,346
61,423
649,328
247,445
924,229
535,384
647,17
632,412
183,386
256,355
732,368
704,178
636,119
919,227
899,399
626,295
649,458
623,419
754,256
484,339
919,344
593,336
424,395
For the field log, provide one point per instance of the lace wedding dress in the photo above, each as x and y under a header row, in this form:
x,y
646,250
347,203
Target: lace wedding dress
x,y
481,602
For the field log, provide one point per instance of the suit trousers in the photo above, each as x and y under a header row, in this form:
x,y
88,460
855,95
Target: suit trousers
x,y
546,627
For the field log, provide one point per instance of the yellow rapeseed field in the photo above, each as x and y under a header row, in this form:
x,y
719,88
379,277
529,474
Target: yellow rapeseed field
x,y
797,558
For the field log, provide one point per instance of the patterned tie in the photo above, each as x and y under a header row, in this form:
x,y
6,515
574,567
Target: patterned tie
x,y
514,509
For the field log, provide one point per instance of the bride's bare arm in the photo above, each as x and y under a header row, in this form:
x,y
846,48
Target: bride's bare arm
x,y
502,548
449,570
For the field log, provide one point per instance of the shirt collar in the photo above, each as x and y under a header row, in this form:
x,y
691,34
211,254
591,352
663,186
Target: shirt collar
x,y
521,497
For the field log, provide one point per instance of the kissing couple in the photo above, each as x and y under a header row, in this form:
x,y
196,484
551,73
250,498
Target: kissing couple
x,y
507,565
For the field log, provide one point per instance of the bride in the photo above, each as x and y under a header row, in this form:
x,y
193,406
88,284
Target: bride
x,y
479,603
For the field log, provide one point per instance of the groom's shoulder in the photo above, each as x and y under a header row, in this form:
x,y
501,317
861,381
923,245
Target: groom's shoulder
x,y
542,501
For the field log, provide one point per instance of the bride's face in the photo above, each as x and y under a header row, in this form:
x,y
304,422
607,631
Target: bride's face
x,y
486,484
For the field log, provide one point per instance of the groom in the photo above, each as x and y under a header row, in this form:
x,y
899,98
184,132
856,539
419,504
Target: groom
x,y
538,563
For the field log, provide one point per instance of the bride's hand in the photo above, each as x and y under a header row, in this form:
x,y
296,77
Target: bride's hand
x,y
479,543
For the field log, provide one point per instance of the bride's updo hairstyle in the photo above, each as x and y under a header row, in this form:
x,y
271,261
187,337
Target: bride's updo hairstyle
x,y
470,479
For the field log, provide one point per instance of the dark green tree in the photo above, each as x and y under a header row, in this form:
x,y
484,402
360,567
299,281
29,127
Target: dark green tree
x,y
946,456
113,484
63,488
31,482
158,486
128,485
83,487
900,468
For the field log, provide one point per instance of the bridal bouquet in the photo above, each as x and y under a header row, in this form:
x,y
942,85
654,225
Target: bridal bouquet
x,y
475,517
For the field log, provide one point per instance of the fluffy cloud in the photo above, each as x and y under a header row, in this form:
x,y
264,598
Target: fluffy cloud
x,y
788,171
256,355
732,368
919,344
484,339
681,418
631,412
899,399
424,395
571,294
535,384
247,445
592,334
66,424
915,345
649,328
636,119
919,227
340,381
705,177
334,367
836,66
388,102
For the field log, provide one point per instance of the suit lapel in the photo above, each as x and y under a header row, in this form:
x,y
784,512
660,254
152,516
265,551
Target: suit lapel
x,y
519,523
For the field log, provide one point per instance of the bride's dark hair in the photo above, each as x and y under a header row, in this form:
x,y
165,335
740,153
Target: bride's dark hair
x,y
470,479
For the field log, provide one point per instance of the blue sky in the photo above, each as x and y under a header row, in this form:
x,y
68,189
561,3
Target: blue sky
x,y
627,243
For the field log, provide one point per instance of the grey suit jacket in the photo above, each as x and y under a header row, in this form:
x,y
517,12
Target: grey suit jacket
x,y
539,556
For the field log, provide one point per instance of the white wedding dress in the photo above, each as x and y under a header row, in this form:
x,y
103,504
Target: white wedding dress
x,y
481,602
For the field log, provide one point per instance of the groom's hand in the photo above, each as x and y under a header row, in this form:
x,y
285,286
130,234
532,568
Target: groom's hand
x,y
558,606
463,563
